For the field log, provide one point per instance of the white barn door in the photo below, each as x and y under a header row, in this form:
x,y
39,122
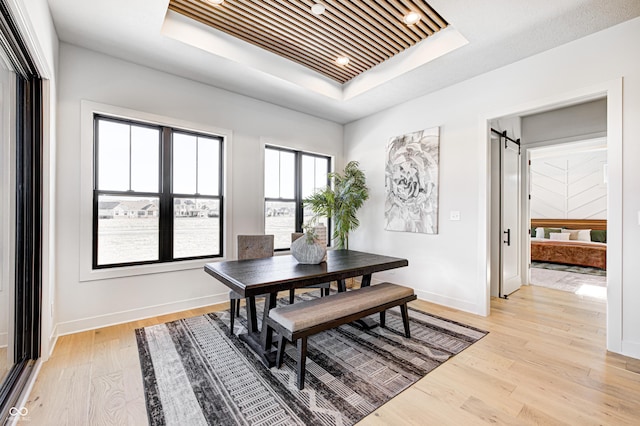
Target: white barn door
x,y
510,253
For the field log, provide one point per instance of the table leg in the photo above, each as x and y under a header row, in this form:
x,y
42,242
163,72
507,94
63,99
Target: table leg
x,y
260,340
266,335
366,323
366,281
342,286
252,321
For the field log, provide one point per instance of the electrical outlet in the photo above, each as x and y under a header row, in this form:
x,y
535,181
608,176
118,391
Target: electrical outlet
x,y
454,215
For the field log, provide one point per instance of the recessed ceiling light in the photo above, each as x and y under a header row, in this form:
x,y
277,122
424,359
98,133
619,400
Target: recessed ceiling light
x,y
411,18
215,2
317,9
342,60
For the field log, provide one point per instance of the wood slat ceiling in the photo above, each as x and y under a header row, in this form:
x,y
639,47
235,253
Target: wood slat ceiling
x,y
367,32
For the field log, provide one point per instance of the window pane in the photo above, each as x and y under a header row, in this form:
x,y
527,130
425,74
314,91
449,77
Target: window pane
x,y
196,227
184,163
145,159
280,221
208,166
113,156
322,166
308,215
308,175
127,229
314,174
271,173
287,174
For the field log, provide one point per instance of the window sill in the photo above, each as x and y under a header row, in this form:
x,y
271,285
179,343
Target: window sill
x,y
132,271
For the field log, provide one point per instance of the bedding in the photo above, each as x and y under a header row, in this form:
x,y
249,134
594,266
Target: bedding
x,y
584,242
571,252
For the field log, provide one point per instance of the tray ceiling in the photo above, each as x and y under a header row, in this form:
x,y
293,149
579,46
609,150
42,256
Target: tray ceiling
x,y
366,32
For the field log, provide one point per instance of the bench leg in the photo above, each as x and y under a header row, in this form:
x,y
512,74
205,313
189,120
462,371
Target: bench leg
x,y
327,291
405,319
292,295
302,360
383,318
282,342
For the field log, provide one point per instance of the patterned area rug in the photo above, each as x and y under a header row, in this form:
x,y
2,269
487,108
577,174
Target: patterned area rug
x,y
196,374
582,284
570,268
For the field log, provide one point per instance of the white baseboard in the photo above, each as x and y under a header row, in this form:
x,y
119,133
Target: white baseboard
x,y
53,340
450,302
4,340
631,349
91,323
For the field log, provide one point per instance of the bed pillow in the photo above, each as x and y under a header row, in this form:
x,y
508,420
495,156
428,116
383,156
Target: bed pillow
x,y
561,236
548,231
573,233
584,235
539,232
599,235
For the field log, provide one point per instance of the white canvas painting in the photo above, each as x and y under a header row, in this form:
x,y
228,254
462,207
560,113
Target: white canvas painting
x,y
411,181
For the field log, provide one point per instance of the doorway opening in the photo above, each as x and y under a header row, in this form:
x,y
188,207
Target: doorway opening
x,y
610,93
568,210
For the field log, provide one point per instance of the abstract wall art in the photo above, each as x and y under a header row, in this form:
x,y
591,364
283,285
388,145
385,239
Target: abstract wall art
x,y
411,181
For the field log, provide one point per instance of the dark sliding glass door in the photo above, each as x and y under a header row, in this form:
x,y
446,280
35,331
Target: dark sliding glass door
x,y
20,214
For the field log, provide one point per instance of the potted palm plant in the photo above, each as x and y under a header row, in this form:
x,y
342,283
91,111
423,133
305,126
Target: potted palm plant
x,y
340,201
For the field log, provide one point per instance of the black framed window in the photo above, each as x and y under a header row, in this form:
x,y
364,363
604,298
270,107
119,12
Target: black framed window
x,y
289,177
25,101
157,193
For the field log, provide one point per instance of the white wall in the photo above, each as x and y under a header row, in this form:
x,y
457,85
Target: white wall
x,y
447,268
87,75
577,122
569,186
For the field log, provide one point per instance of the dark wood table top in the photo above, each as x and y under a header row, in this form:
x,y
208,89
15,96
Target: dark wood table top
x,y
259,276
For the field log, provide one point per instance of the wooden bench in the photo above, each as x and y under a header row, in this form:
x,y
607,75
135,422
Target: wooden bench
x,y
301,320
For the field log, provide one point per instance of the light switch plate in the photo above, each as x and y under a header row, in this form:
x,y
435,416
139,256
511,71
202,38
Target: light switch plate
x,y
454,215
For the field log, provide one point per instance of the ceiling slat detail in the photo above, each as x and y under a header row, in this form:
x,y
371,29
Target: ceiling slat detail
x,y
368,32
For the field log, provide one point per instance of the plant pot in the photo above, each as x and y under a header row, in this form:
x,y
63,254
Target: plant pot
x,y
308,251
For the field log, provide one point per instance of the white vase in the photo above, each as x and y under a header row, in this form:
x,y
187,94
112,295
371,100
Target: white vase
x,y
308,252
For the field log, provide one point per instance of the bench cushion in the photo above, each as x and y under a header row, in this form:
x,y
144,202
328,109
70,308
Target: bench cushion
x,y
300,316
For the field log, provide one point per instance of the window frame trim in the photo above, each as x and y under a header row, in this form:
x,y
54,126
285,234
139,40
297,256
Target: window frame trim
x,y
298,200
87,271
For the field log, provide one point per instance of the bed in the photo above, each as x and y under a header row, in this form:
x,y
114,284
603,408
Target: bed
x,y
591,253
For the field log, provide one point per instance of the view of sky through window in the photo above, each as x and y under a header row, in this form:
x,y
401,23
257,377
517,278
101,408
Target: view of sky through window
x,y
130,185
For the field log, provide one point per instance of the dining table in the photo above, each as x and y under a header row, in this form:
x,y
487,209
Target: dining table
x,y
268,276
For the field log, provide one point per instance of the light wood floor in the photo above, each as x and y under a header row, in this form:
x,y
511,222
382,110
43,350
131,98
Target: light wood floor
x,y
4,364
543,362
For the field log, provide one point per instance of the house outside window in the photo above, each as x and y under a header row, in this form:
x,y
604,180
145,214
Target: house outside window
x,y
157,193
291,176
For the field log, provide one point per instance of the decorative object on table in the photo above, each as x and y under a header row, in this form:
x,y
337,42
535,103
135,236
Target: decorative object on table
x,y
411,181
186,364
341,202
325,288
308,249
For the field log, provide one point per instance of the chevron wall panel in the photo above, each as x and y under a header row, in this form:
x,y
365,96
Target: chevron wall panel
x,y
569,187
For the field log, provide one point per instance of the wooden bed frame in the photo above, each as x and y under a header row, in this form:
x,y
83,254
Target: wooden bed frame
x,y
569,252
598,224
